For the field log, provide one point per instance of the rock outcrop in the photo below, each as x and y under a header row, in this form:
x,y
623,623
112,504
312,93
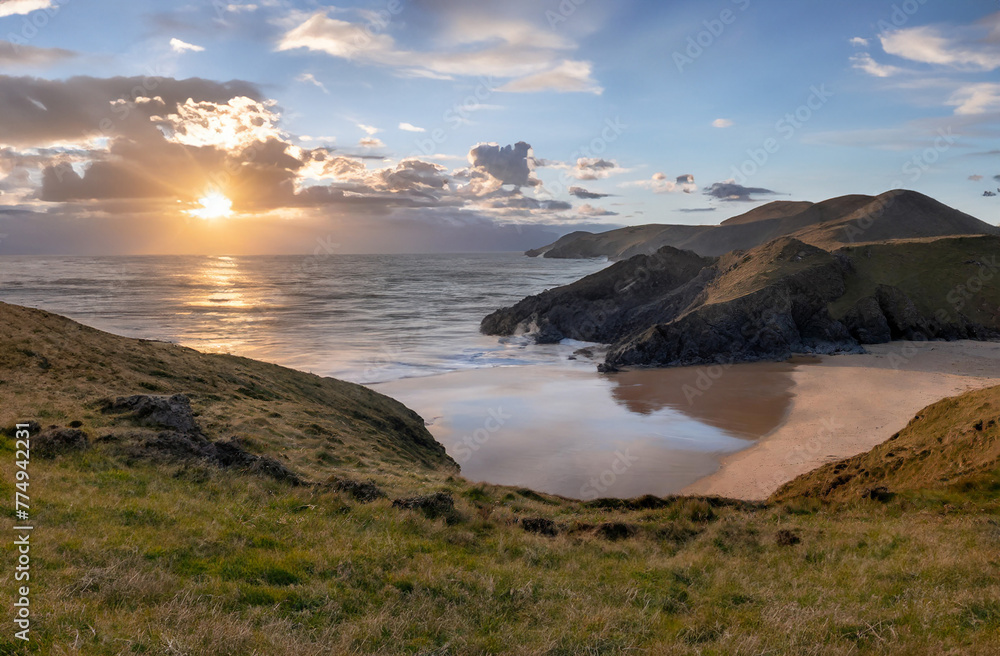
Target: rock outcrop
x,y
677,308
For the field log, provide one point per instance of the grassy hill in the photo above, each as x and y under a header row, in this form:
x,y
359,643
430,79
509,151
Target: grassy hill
x,y
845,220
138,551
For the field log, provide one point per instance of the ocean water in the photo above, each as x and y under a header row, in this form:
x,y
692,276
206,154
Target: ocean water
x,y
509,411
362,318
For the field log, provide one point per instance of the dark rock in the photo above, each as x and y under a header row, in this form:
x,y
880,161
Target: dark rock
x,y
609,304
57,441
901,315
867,323
616,531
363,491
431,505
268,467
879,493
539,525
157,411
786,538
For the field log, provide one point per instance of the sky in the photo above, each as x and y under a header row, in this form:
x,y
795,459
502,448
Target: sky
x,y
287,126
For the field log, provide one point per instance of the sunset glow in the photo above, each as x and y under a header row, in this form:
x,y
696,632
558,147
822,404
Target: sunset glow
x,y
213,206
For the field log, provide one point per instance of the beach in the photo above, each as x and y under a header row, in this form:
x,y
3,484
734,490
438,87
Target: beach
x,y
846,404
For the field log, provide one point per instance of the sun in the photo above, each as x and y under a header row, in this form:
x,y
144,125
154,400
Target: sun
x,y
213,206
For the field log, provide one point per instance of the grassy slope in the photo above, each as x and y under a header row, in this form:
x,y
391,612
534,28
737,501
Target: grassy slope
x,y
951,445
170,558
932,285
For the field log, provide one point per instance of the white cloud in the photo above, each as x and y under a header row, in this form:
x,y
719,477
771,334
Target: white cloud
x,y
233,125
409,127
722,123
864,62
973,99
368,129
180,46
568,76
311,79
14,7
964,48
371,142
533,59
235,8
858,41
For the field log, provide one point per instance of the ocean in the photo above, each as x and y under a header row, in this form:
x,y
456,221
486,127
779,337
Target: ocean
x,y
361,318
509,411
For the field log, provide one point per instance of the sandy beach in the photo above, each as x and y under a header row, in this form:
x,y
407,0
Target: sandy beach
x,y
844,405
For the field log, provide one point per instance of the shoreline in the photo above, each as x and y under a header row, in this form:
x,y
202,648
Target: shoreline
x,y
843,405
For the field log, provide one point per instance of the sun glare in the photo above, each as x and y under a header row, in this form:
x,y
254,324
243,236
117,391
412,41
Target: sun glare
x,y
213,206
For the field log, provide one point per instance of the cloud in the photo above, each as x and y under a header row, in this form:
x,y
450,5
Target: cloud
x,y
858,41
864,62
659,183
39,113
311,79
967,47
371,142
24,55
568,77
187,138
508,164
974,99
589,210
368,129
976,177
730,191
595,168
997,178
694,210
180,46
470,44
14,7
409,127
722,123
580,192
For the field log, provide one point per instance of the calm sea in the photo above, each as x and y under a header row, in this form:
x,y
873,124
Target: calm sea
x,y
362,318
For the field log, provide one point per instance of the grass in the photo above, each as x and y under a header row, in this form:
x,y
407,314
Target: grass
x,y
143,556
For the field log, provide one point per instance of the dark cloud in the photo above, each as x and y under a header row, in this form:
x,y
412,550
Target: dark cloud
x,y
730,191
595,168
580,192
685,179
527,203
508,164
692,210
12,54
40,112
997,178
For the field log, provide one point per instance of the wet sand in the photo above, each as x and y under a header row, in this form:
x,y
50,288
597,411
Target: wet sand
x,y
565,429
845,405
738,431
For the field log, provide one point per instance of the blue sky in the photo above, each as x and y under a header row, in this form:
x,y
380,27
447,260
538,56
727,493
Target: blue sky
x,y
387,122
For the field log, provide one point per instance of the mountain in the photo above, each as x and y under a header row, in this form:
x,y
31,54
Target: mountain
x,y
854,219
678,308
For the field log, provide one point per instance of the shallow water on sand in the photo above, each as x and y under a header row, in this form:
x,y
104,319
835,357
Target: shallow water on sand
x,y
567,430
